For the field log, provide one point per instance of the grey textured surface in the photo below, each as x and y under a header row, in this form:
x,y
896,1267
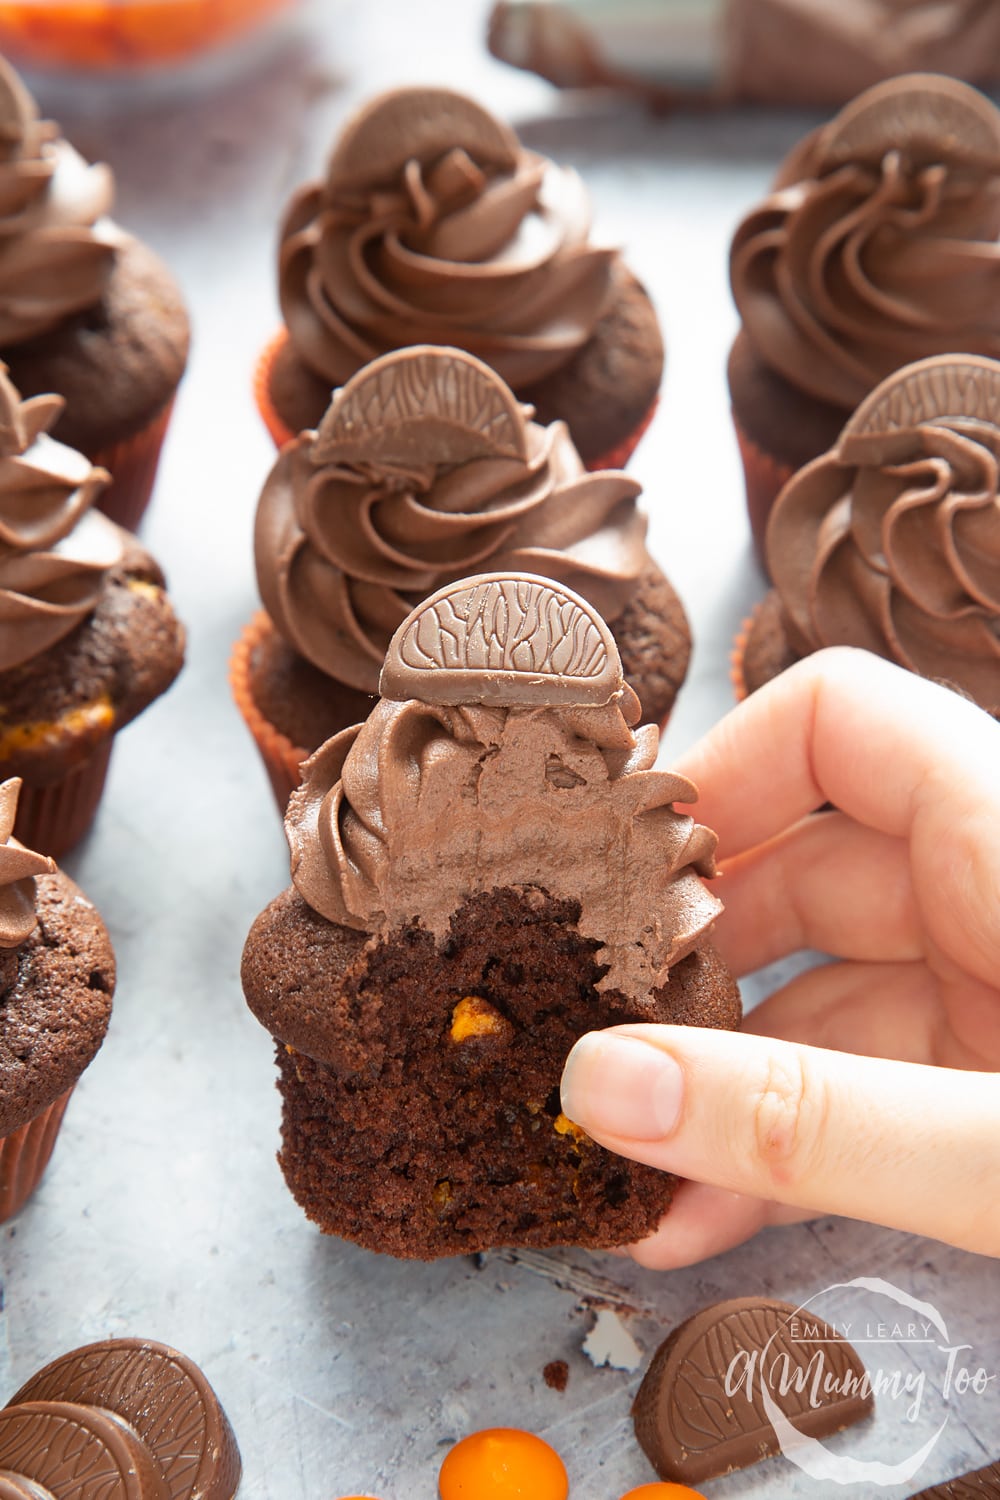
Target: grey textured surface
x,y
164,1212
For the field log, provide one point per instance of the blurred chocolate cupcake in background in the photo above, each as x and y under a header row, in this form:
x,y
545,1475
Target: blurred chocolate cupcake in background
x,y
434,225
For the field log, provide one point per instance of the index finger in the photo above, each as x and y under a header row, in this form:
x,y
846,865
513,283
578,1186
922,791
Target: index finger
x,y
846,727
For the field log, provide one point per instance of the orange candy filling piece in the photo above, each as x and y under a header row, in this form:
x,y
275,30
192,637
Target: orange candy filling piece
x,y
503,1463
663,1492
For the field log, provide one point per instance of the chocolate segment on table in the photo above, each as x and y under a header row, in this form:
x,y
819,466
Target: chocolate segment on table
x,y
424,470
891,541
164,1396
17,1487
978,1484
692,1428
78,1452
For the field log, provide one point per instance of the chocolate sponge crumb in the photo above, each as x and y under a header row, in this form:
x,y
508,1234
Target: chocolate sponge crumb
x,y
432,1125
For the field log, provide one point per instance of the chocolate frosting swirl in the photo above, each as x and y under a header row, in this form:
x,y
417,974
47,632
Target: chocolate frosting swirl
x,y
424,470
878,245
892,540
18,868
434,225
56,245
402,818
54,551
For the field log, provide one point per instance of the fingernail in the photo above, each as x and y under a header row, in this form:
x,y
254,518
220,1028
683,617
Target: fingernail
x,y
618,1085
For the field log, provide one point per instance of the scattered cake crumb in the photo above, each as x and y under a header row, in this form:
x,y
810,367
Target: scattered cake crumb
x,y
556,1374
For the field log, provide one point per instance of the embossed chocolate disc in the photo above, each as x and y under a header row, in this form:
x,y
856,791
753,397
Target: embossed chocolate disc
x,y
929,117
978,1484
503,638
419,124
425,405
78,1452
700,1413
945,388
16,1487
164,1396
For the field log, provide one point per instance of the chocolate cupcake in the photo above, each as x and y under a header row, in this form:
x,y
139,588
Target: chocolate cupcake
x,y
434,225
85,310
891,541
484,870
57,976
878,246
87,635
424,469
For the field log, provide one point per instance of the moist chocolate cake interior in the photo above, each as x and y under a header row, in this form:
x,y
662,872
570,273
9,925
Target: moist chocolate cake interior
x,y
436,1035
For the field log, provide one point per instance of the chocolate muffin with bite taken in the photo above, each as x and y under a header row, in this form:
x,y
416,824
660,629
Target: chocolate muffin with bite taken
x,y
485,869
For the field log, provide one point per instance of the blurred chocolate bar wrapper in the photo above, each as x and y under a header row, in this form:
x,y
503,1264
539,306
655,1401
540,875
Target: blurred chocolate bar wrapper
x,y
683,53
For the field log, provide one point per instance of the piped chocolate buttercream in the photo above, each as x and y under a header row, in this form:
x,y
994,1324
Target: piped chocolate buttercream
x,y
891,541
515,764
426,469
878,245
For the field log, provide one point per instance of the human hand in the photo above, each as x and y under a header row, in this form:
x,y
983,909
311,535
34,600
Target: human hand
x,y
867,1087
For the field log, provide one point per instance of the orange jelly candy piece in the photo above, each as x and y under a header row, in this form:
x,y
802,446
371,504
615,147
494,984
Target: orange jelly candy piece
x,y
503,1463
663,1492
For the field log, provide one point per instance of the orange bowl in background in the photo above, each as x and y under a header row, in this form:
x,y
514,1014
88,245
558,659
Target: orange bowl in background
x,y
123,34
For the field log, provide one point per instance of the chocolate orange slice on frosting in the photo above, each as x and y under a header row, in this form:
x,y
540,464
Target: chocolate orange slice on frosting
x,y
505,640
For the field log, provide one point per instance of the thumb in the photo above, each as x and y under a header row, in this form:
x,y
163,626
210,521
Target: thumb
x,y
901,1144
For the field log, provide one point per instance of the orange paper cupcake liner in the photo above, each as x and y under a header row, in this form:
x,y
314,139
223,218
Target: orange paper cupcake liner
x,y
24,1155
765,479
280,433
738,652
618,457
282,760
132,464
54,816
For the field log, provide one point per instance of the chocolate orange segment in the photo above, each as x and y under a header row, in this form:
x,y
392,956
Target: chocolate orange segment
x,y
700,1411
164,1396
17,1487
427,405
945,390
926,116
505,639
78,1452
978,1484
416,124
